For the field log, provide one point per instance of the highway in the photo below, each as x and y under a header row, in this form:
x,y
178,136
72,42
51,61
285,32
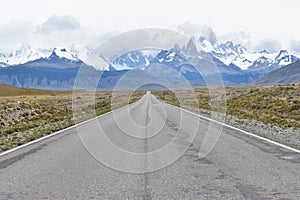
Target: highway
x,y
83,166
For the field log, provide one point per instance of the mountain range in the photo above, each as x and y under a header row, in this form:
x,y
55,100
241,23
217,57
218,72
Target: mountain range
x,y
57,68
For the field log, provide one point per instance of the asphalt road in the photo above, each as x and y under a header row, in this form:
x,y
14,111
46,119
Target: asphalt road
x,y
61,167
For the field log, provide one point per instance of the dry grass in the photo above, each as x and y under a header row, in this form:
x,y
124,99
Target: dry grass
x,y
275,105
24,118
8,91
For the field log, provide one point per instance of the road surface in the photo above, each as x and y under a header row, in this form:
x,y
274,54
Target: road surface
x,y
61,167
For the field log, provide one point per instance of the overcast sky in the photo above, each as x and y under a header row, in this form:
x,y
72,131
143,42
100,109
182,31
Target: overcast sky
x,y
272,24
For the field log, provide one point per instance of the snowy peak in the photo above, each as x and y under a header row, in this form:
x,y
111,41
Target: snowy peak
x,y
62,53
231,56
209,36
191,47
207,45
231,48
285,58
2,64
25,54
28,53
230,53
226,54
169,58
261,62
132,60
60,58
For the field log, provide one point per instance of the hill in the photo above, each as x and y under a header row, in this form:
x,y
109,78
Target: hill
x,y
285,75
8,90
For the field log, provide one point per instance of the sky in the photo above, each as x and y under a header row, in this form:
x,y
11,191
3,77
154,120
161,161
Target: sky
x,y
257,24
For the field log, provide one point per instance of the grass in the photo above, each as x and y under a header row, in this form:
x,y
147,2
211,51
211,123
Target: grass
x,y
28,114
8,91
24,118
275,105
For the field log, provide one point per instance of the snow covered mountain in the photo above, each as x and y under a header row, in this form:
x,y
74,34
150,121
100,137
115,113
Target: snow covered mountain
x,y
285,58
224,54
229,57
63,54
23,55
27,53
235,54
133,60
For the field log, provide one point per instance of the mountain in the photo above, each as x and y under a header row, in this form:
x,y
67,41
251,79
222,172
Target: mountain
x,y
59,58
264,61
203,59
284,75
237,55
132,60
57,71
263,65
228,53
230,58
24,54
28,53
3,64
285,58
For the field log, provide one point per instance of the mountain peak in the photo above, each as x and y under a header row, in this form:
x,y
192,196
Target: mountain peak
x,y
191,47
62,53
261,63
285,58
264,51
209,36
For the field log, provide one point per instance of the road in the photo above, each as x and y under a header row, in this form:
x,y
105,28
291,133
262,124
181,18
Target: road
x,y
61,167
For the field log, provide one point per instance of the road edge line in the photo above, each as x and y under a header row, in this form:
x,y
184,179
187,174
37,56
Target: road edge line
x,y
45,137
237,129
58,132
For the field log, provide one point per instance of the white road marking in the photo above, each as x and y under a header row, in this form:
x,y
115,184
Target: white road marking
x,y
240,130
198,115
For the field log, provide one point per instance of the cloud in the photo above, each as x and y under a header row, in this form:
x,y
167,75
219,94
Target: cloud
x,y
59,24
295,45
14,35
238,38
197,30
191,29
60,31
55,32
270,45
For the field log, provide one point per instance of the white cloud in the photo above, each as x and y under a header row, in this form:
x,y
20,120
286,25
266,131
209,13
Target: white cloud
x,y
197,30
295,45
191,29
65,30
59,24
238,38
270,45
13,35
56,31
258,18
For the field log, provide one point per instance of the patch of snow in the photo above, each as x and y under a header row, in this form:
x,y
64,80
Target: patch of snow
x,y
63,53
121,67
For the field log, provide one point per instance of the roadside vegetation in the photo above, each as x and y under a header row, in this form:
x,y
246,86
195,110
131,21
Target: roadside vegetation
x,y
269,111
278,105
28,114
24,118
